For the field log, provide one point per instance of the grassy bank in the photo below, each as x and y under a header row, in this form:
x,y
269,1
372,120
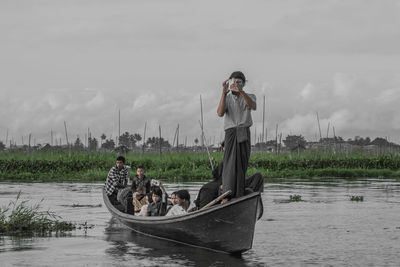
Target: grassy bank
x,y
93,167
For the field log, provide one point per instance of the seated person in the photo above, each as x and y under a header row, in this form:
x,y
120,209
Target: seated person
x,y
117,180
143,210
139,199
173,201
209,191
159,205
183,205
140,180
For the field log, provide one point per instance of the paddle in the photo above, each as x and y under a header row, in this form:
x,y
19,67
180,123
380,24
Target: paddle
x,y
217,199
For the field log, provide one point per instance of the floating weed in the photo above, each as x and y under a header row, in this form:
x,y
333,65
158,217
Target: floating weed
x,y
83,206
20,219
295,198
85,226
357,198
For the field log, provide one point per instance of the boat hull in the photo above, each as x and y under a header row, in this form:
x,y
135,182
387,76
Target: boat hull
x,y
225,228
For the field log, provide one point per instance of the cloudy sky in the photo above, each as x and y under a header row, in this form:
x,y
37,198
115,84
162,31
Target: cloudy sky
x,y
81,61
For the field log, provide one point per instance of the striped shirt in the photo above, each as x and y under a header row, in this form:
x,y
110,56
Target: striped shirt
x,y
115,177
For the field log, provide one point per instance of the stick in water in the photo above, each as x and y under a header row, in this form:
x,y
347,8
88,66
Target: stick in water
x,y
217,199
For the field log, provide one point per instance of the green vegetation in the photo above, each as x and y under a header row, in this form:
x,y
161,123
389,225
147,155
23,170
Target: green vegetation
x,y
57,166
20,219
295,198
357,198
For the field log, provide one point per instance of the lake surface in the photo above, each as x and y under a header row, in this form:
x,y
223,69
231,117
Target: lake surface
x,y
325,229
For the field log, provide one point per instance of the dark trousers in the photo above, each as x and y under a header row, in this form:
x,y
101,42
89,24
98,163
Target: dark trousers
x,y
236,160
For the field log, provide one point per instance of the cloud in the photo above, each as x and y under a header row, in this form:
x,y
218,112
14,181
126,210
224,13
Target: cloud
x,y
143,100
96,102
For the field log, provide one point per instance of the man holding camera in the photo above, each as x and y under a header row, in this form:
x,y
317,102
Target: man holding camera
x,y
236,105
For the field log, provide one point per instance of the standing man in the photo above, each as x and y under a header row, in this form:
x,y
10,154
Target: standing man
x,y
236,105
117,179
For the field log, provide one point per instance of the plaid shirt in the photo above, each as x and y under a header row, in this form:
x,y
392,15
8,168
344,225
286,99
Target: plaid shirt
x,y
115,177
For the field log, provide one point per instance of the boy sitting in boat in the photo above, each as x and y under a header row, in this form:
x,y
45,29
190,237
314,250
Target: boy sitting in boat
x,y
183,205
140,180
117,180
159,205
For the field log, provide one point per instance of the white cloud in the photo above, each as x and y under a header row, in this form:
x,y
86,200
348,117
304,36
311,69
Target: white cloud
x,y
96,102
144,100
307,91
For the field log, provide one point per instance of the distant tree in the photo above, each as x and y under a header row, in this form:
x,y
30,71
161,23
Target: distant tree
x,y
154,142
137,137
295,142
360,141
108,144
379,141
271,143
103,137
78,144
196,141
129,140
2,146
93,144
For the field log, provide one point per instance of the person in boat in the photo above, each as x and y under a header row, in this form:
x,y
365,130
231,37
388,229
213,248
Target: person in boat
x,y
117,180
172,202
210,190
140,180
159,205
143,210
139,199
183,205
236,105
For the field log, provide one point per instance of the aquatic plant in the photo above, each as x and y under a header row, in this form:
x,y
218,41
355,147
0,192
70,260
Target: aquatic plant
x,y
20,219
295,198
357,198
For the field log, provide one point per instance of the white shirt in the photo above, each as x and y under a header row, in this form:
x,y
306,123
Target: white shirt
x,y
178,210
237,113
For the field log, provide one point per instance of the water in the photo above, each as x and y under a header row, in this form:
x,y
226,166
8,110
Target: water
x,y
325,229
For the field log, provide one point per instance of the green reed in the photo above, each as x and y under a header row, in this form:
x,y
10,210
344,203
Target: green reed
x,y
18,218
94,166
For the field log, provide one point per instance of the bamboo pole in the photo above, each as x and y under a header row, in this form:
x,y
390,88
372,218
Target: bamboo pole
x,y
66,133
119,124
6,138
319,127
276,138
159,141
208,152
202,125
263,118
144,136
327,131
177,138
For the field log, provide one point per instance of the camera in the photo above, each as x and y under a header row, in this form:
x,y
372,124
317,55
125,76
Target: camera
x,y
230,83
155,182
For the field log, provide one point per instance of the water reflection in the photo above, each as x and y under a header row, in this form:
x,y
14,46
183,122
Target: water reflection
x,y
125,243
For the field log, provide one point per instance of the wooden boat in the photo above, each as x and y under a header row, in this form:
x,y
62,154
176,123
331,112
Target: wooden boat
x,y
225,228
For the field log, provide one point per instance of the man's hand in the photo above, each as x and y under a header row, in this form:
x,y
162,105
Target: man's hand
x,y
225,87
236,89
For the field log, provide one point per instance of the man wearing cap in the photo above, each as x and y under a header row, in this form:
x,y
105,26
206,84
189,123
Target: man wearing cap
x,y
236,105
